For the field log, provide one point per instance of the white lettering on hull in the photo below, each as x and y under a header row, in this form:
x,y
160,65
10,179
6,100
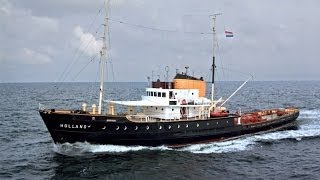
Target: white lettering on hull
x,y
74,126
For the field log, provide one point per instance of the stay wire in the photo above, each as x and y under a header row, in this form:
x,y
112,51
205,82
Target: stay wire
x,y
92,59
93,84
79,55
221,62
77,50
155,28
236,71
109,40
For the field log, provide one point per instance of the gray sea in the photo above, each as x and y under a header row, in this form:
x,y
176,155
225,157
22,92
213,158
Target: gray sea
x,y
27,150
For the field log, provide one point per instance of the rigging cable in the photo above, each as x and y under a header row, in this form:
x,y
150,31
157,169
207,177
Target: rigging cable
x,y
240,72
109,40
92,59
93,84
80,55
155,28
63,75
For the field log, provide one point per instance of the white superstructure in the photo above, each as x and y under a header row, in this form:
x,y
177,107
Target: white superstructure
x,y
169,104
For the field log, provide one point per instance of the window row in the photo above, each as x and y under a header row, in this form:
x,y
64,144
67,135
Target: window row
x,y
156,94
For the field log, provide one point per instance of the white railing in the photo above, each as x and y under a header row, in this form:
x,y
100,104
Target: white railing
x,y
155,117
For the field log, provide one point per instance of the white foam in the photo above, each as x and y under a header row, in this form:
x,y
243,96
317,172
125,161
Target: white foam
x,y
310,114
221,147
309,127
85,148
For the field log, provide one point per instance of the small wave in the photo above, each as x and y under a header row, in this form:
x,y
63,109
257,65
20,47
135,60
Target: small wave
x,y
310,114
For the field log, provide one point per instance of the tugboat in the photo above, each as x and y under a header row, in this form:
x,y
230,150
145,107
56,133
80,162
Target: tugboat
x,y
173,113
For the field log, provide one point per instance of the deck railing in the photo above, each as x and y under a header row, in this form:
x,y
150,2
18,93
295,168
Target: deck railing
x,y
154,117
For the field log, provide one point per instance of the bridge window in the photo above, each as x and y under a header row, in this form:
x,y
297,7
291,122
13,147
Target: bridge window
x,y
170,94
159,94
172,102
163,94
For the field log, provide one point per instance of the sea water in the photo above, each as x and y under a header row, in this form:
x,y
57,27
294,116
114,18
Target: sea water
x,y
27,150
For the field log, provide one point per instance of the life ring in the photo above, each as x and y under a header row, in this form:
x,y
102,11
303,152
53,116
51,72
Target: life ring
x,y
183,102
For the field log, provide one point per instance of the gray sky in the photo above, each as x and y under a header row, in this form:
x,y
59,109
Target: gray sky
x,y
274,40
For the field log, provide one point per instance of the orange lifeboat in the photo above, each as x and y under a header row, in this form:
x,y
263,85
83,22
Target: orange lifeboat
x,y
219,114
251,118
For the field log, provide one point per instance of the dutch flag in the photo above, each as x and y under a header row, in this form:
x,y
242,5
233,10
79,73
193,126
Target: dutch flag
x,y
228,33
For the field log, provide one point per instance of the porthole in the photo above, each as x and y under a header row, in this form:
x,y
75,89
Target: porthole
x,y
136,128
156,108
93,118
197,125
187,125
147,127
178,126
125,128
208,124
227,121
162,109
160,127
172,109
117,128
169,127
217,122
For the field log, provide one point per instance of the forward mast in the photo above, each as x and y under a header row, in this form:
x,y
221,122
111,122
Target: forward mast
x,y
103,53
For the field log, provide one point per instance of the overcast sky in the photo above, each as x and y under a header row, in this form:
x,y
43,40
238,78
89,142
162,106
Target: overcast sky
x,y
274,40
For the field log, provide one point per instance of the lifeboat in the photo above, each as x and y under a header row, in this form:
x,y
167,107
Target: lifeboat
x,y
219,114
251,118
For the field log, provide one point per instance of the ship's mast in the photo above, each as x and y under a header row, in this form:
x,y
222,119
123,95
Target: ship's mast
x,y
103,60
213,51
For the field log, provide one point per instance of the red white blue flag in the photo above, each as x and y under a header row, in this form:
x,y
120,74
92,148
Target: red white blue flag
x,y
228,33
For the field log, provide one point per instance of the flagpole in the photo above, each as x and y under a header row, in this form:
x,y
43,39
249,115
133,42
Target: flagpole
x,y
213,57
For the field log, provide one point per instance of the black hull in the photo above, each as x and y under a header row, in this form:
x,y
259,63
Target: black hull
x,y
117,130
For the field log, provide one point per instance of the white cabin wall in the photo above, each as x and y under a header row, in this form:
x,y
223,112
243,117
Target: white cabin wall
x,y
193,111
163,112
190,95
